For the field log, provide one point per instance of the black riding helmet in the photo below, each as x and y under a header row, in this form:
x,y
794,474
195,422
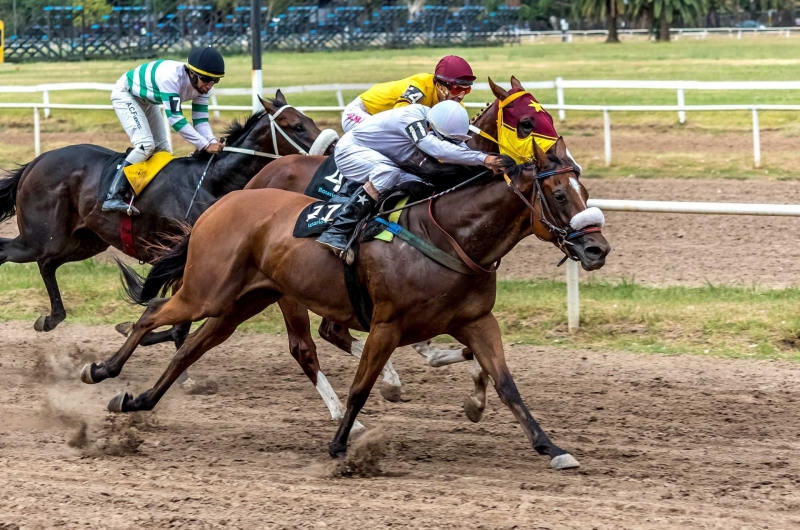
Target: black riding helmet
x,y
207,62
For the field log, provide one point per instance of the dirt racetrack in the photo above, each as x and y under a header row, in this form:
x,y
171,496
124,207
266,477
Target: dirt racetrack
x,y
720,249
665,442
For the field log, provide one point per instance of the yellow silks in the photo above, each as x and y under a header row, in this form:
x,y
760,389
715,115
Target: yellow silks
x,y
140,175
520,149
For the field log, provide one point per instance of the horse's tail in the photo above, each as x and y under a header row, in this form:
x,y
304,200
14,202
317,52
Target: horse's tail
x,y
8,193
167,271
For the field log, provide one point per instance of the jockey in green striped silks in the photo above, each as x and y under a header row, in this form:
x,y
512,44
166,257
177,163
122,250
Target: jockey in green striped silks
x,y
138,98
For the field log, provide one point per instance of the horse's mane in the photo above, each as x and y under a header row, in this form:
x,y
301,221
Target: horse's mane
x,y
441,176
236,130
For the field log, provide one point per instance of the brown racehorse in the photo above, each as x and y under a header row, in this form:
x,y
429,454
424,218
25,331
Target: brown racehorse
x,y
295,176
57,198
241,257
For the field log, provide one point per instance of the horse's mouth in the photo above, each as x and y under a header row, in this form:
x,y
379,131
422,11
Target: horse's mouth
x,y
591,250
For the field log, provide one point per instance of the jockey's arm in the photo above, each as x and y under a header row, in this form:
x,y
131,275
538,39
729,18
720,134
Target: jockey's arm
x,y
174,111
412,95
450,153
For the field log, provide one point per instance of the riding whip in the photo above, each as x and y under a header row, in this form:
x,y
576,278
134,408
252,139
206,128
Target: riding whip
x,y
198,187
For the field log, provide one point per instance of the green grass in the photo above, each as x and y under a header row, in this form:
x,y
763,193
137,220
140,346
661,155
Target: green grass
x,y
710,320
752,58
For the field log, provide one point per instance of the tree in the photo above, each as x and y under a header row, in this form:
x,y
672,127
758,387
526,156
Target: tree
x,y
610,10
667,11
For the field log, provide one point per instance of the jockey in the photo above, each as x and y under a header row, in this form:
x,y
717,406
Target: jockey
x,y
371,153
137,99
451,81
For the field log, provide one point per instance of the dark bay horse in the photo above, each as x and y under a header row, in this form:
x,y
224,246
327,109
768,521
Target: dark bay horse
x,y
241,257
57,198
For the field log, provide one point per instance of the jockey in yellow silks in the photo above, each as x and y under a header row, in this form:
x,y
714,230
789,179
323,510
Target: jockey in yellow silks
x,y
451,81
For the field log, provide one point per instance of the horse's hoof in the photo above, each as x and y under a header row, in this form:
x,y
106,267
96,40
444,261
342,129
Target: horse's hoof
x,y
473,411
116,403
391,392
125,328
86,374
565,461
39,325
337,450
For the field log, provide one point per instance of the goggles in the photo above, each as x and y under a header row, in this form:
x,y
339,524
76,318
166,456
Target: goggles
x,y
207,78
458,90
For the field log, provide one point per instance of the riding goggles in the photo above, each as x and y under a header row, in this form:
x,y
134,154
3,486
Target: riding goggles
x,y
207,79
458,90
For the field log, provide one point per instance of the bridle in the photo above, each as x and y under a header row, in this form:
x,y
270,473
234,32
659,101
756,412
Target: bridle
x,y
273,129
563,237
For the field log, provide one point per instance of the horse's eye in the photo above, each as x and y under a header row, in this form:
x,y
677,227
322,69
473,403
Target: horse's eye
x,y
560,196
299,128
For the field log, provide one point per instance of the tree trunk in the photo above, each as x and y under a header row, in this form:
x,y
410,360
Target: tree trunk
x,y
651,21
611,21
663,32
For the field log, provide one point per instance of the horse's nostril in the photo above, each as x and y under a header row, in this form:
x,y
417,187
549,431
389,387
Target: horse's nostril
x,y
593,252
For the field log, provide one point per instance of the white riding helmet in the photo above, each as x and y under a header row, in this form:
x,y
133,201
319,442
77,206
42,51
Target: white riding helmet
x,y
449,120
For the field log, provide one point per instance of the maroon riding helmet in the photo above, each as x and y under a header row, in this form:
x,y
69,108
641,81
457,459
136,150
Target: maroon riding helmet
x,y
454,70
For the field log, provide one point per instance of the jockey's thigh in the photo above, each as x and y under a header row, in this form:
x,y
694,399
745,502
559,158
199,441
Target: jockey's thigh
x,y
361,164
158,126
354,113
133,119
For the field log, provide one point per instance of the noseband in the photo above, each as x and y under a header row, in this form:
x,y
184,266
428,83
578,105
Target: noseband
x,y
563,237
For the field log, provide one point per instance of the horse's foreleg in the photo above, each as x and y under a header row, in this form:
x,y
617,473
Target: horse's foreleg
x,y
381,342
159,312
304,351
482,336
339,336
213,332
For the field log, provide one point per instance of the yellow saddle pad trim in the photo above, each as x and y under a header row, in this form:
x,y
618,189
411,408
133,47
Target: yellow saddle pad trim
x,y
140,175
393,217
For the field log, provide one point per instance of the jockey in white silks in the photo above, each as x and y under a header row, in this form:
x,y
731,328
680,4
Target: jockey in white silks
x,y
373,150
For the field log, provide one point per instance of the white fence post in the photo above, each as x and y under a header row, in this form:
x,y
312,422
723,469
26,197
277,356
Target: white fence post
x,y
562,114
681,103
573,297
167,129
607,135
46,101
340,98
756,140
215,103
37,133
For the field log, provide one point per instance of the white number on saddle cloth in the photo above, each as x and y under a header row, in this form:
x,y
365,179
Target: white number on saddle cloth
x,y
332,208
337,179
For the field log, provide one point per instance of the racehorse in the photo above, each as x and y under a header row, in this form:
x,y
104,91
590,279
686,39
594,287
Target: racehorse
x,y
57,197
241,257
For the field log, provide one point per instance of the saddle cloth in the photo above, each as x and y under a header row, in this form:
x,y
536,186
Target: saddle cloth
x,y
326,184
141,174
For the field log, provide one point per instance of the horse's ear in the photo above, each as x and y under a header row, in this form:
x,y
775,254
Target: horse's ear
x,y
280,97
561,149
267,106
542,162
498,91
515,83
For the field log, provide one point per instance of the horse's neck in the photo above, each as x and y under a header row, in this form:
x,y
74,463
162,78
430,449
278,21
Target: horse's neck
x,y
486,221
487,122
233,171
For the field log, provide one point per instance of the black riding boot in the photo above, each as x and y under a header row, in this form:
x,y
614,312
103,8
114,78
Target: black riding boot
x,y
353,212
115,200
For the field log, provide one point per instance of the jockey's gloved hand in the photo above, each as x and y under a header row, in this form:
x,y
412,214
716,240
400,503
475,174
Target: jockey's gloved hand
x,y
213,148
497,163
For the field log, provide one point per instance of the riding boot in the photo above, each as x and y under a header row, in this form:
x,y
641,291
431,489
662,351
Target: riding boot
x,y
353,212
115,200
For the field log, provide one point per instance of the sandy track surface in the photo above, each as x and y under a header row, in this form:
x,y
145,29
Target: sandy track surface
x,y
665,249
665,442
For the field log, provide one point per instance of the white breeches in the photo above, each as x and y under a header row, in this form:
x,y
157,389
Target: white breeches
x,y
362,164
142,122
354,113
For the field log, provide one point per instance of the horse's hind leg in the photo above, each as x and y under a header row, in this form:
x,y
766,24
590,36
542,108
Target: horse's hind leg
x,y
339,336
304,351
213,332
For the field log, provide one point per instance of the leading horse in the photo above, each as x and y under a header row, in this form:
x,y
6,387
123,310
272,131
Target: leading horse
x,y
242,257
57,197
